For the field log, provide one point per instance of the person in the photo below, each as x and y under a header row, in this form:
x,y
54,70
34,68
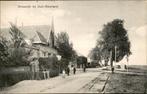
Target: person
x,y
68,71
35,68
45,74
112,69
84,69
125,66
63,73
74,70
32,67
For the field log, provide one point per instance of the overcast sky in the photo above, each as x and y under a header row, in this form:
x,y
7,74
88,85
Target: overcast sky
x,y
83,19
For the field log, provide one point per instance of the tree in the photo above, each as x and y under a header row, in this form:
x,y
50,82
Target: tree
x,y
65,49
17,36
114,41
95,54
3,51
18,53
81,60
63,46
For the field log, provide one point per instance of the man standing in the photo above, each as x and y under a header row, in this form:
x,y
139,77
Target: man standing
x,y
68,71
35,68
32,68
112,69
84,69
63,73
74,70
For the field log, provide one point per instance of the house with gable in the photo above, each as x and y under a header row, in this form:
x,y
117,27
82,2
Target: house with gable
x,y
42,46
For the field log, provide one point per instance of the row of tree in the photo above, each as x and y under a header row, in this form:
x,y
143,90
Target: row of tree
x,y
113,43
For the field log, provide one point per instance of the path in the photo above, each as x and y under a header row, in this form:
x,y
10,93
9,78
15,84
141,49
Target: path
x,y
92,81
80,82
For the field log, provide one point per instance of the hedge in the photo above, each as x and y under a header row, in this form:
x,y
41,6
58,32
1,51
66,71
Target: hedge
x,y
9,79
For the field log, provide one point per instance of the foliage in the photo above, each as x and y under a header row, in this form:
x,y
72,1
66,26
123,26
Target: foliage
x,y
17,36
53,61
43,63
19,56
81,60
114,35
65,49
63,63
11,78
63,46
95,54
53,72
51,64
3,51
18,53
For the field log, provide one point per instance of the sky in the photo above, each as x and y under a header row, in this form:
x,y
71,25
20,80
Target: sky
x,y
82,20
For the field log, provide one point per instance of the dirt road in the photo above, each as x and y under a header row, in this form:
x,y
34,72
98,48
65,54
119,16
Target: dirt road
x,y
92,81
81,82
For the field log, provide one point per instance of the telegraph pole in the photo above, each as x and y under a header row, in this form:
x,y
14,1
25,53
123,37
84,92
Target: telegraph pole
x,y
115,52
127,63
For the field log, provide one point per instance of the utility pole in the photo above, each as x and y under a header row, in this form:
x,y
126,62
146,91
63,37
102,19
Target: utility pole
x,y
127,63
110,58
115,52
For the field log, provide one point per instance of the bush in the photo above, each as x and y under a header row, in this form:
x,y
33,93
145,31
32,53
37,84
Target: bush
x,y
54,72
12,78
9,79
44,64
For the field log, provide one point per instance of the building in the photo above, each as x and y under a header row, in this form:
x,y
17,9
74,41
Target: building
x,y
41,46
41,49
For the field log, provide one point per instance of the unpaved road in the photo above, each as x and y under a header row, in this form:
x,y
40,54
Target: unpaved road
x,y
81,82
93,81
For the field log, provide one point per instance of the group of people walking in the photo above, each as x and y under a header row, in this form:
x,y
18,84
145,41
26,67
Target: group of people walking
x,y
67,71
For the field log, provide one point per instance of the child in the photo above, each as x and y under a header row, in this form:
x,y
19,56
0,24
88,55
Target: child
x,y
63,73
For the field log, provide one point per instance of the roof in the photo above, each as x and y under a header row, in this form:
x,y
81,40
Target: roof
x,y
41,37
45,48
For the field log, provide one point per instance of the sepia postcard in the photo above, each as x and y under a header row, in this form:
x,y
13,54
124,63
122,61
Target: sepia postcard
x,y
73,46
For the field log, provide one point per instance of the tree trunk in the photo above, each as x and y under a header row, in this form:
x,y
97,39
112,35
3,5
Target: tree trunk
x,y
111,62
